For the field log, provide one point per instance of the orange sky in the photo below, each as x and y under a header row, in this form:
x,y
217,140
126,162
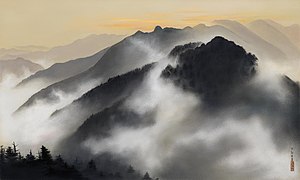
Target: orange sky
x,y
55,22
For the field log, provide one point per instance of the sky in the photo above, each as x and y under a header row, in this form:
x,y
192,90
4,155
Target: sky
x,y
56,22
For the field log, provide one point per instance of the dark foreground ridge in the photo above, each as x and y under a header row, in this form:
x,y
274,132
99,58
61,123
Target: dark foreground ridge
x,y
212,69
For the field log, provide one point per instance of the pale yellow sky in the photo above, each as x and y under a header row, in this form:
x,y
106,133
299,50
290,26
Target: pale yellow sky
x,y
56,22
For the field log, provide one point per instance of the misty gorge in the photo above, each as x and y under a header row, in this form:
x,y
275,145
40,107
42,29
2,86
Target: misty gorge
x,y
218,100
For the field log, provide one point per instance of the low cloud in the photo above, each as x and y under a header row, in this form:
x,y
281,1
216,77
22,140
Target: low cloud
x,y
240,141
32,127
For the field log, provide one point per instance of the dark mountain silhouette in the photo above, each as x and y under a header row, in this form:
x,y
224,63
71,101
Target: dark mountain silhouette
x,y
212,70
18,67
223,75
100,125
183,48
61,71
220,65
103,96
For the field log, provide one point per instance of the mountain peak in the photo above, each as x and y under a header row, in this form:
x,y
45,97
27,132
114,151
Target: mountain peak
x,y
213,68
157,28
218,39
187,28
221,42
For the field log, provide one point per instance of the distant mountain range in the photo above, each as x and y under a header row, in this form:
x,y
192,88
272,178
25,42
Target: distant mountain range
x,y
251,41
273,35
292,31
80,48
61,71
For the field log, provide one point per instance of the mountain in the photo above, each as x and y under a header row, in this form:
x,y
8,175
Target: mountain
x,y
240,36
213,69
61,71
80,48
102,96
292,31
262,48
219,73
100,124
133,52
18,67
275,37
136,50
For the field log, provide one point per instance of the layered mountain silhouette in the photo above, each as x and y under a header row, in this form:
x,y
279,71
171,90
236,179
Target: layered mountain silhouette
x,y
221,73
133,52
212,65
292,31
104,95
121,57
217,58
261,47
61,71
80,48
210,70
271,34
18,67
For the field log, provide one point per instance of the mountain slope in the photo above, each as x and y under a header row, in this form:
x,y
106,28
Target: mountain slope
x,y
131,53
274,36
220,69
18,67
213,70
223,56
100,97
80,48
240,35
264,49
61,71
292,31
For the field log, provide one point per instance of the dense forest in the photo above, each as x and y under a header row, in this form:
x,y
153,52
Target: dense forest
x,y
14,165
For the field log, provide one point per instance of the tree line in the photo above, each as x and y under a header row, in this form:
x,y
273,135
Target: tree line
x,y
13,165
